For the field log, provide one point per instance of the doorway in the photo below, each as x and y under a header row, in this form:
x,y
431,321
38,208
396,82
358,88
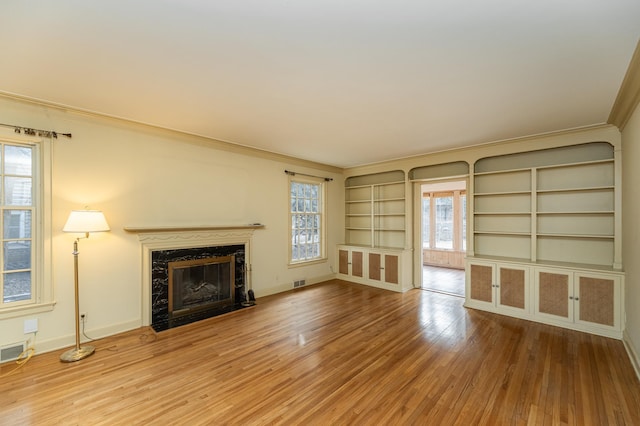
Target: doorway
x,y
443,236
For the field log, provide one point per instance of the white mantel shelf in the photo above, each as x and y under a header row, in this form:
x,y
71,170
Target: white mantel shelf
x,y
178,228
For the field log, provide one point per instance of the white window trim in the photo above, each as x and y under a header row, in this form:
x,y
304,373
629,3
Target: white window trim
x,y
323,221
43,299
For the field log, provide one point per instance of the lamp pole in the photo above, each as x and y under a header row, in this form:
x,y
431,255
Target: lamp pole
x,y
78,352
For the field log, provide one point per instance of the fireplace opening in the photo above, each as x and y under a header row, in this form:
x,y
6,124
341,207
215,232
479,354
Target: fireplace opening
x,y
214,283
200,284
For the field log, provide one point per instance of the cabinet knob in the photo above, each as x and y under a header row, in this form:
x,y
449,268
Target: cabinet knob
x,y
570,297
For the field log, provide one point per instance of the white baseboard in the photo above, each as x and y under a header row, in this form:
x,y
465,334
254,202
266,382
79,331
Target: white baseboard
x,y
632,352
57,343
281,288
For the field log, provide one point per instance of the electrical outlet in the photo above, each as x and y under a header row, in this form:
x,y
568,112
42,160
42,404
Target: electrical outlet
x,y
83,316
31,325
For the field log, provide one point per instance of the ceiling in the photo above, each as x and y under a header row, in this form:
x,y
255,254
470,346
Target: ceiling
x,y
340,82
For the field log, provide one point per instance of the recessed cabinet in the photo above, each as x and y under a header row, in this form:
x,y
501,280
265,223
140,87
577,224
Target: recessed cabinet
x,y
384,268
588,300
585,300
499,288
351,262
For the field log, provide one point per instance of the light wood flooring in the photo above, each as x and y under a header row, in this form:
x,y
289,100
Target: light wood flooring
x,y
443,280
335,354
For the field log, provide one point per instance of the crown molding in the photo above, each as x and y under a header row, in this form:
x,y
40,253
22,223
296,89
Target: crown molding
x,y
215,143
629,95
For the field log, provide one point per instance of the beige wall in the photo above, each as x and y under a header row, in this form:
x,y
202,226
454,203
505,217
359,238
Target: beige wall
x,y
631,231
140,176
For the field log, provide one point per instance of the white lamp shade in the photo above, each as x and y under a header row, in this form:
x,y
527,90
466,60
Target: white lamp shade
x,y
85,221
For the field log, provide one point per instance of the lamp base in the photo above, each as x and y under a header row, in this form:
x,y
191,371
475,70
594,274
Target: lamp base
x,y
77,354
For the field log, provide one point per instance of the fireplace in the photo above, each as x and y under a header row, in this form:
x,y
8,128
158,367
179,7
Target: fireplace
x,y
200,284
191,284
213,251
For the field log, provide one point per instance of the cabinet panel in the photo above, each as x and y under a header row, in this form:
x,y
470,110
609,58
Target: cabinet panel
x,y
512,287
356,263
597,300
343,262
374,266
481,283
553,294
391,269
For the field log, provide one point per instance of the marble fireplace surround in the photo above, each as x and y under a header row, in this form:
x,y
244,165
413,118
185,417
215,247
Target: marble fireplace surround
x,y
185,237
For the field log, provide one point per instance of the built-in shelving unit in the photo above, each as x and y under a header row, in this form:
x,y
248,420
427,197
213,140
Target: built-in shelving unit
x,y
548,212
375,210
374,252
546,229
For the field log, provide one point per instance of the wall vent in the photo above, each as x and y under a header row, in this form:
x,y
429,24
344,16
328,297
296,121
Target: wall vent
x,y
299,283
11,352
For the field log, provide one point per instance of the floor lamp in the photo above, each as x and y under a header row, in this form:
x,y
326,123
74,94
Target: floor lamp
x,y
81,222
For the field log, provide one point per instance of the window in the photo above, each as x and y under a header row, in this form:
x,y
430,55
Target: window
x,y
24,285
444,221
16,171
307,220
444,224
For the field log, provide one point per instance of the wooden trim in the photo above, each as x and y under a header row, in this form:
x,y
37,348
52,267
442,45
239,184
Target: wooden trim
x,y
629,94
175,228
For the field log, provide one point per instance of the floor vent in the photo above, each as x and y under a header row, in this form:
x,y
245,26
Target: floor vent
x,y
299,283
11,352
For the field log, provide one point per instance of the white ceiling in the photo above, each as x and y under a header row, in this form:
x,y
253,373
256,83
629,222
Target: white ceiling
x,y
341,82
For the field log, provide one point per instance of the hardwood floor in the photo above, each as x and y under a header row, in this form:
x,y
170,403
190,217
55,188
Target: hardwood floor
x,y
444,280
335,353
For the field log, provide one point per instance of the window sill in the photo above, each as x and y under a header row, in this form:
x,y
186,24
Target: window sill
x,y
19,311
308,262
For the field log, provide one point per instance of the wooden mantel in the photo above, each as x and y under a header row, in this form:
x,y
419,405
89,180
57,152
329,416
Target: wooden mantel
x,y
178,228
